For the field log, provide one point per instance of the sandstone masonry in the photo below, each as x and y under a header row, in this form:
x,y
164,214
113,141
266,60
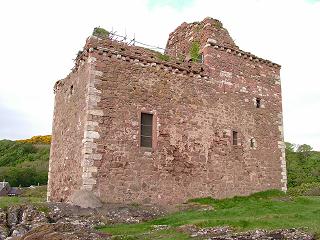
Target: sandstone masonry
x,y
214,129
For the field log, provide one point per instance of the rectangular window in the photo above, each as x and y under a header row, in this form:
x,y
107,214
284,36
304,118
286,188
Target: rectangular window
x,y
252,143
258,102
234,138
201,58
146,130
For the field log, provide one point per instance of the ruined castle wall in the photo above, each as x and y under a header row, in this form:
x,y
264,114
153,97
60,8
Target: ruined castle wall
x,y
194,118
242,72
196,107
65,170
181,39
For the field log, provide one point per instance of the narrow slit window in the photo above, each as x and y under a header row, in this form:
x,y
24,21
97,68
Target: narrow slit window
x,y
234,138
258,102
146,130
252,143
201,58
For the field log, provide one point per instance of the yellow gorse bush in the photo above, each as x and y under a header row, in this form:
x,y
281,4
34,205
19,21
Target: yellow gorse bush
x,y
37,140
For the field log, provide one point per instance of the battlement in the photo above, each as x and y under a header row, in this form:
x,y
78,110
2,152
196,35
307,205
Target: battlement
x,y
136,54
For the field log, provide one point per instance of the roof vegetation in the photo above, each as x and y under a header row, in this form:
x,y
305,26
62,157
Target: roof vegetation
x,y
100,32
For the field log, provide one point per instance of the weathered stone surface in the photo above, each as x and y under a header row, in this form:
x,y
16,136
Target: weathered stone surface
x,y
196,107
62,221
84,199
63,231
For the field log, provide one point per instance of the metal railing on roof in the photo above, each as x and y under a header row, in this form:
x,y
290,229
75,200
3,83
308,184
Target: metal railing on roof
x,y
132,41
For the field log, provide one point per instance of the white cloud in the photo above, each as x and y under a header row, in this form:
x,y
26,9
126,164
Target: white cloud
x,y
39,39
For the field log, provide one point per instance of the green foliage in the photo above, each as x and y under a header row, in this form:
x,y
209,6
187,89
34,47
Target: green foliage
x,y
290,147
181,57
23,176
304,148
163,57
36,196
37,191
100,32
265,210
46,139
9,201
195,51
23,164
217,24
13,153
302,166
305,189
228,202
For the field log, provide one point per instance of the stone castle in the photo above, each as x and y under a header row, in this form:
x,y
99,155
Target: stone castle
x,y
133,125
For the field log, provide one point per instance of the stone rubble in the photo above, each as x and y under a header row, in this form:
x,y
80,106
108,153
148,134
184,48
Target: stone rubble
x,y
283,234
64,222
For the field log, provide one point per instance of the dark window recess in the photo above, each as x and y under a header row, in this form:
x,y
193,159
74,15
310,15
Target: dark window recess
x,y
146,130
201,58
71,90
252,143
234,138
258,102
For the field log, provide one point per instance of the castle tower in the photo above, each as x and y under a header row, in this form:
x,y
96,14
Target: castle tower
x,y
132,126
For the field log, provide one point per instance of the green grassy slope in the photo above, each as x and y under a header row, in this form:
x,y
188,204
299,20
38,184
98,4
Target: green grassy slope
x,y
24,164
266,210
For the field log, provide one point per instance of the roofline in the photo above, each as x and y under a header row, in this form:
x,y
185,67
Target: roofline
x,y
243,54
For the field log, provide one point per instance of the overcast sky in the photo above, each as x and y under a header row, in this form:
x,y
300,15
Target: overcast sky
x,y
39,40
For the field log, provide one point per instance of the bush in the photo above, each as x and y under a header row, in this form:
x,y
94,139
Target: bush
x,y
13,153
46,139
24,164
303,166
100,32
305,189
23,177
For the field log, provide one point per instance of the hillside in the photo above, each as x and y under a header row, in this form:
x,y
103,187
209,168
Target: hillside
x,y
24,163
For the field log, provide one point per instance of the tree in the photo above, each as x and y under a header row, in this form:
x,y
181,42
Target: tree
x,y
304,148
290,147
304,151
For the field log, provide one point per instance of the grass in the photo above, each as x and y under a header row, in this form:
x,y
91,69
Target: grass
x,y
6,202
35,196
195,51
163,57
265,210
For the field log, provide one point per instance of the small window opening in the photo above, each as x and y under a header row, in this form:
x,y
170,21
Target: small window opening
x,y
258,102
252,143
234,138
201,58
146,130
71,90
